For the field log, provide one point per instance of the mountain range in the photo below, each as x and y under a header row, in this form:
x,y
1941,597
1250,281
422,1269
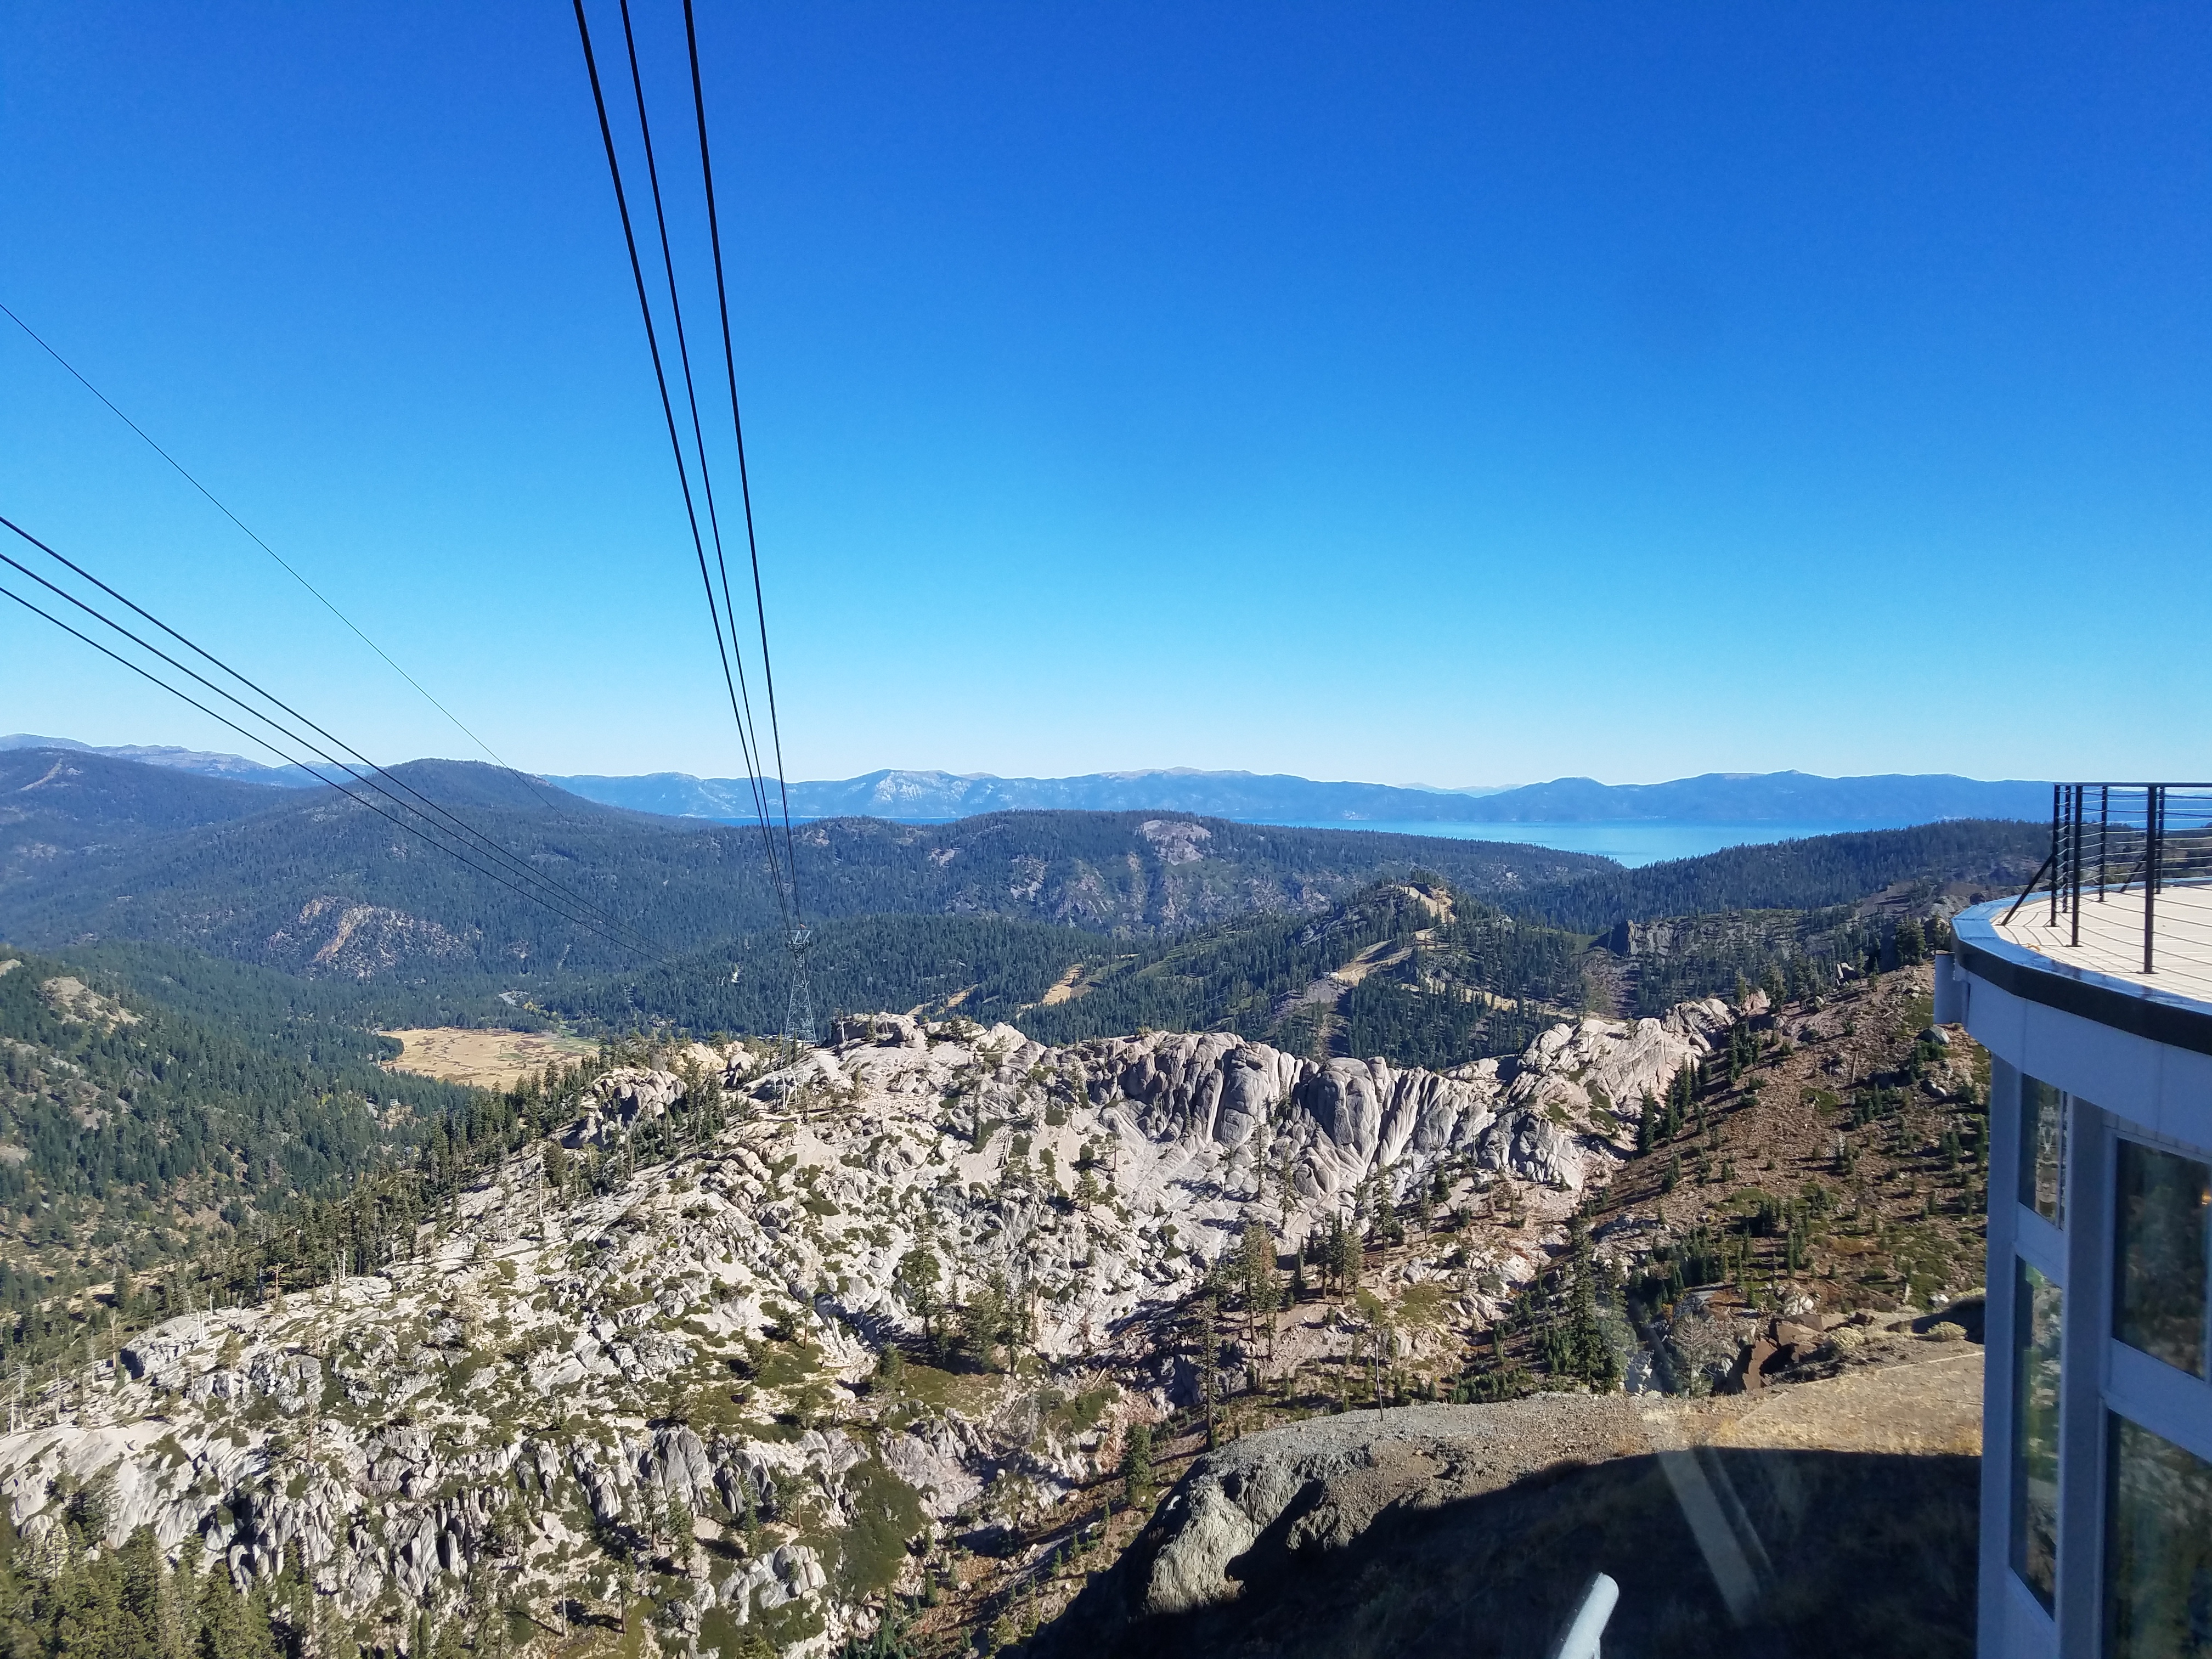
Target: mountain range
x,y
1797,798
1073,923
95,847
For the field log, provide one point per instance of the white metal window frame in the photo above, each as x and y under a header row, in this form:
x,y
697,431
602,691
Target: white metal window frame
x,y
2119,1086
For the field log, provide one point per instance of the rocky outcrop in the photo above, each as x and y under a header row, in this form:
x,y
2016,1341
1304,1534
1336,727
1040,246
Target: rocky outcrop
x,y
619,1101
358,941
578,1386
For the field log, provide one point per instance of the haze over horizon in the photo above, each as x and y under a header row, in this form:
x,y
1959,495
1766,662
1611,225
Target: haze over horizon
x,y
23,739
1457,396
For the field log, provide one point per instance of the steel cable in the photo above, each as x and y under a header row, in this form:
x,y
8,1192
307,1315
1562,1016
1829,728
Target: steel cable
x,y
460,830
263,742
321,598
749,732
676,443
737,431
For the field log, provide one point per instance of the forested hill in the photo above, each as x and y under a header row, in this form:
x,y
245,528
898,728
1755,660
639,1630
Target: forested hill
x,y
129,1121
1410,970
62,798
1998,855
1413,971
318,884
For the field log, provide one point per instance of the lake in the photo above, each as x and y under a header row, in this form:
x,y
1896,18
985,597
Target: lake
x,y
1632,844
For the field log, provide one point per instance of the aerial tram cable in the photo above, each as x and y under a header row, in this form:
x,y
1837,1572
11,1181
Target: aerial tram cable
x,y
264,744
675,441
749,732
552,893
537,893
782,869
286,565
459,828
737,432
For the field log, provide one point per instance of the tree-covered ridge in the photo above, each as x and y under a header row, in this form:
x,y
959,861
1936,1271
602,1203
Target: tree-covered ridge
x,y
288,1013
65,797
127,1125
320,886
1413,971
1998,855
987,968
1441,977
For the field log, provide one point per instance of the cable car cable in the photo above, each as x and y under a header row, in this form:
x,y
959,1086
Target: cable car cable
x,y
263,742
668,412
460,831
289,568
738,429
749,734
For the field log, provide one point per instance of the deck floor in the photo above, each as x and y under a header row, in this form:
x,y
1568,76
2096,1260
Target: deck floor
x,y
2111,937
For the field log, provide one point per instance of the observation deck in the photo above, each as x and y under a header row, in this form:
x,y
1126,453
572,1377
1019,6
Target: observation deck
x,y
2117,925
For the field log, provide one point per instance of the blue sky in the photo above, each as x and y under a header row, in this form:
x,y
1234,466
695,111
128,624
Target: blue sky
x,y
1446,394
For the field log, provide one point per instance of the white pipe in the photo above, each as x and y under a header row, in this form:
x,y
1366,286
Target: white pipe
x,y
1580,1639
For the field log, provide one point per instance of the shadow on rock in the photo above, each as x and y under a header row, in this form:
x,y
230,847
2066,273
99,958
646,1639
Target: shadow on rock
x,y
1851,1554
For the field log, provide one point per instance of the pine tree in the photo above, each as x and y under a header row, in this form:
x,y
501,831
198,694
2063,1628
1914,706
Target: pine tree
x,y
1261,1290
145,1592
1912,942
919,1271
1137,1476
1589,1355
1206,1333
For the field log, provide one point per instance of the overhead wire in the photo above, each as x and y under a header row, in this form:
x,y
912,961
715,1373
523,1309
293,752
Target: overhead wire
x,y
537,893
263,742
555,895
726,643
737,430
461,828
749,736
283,563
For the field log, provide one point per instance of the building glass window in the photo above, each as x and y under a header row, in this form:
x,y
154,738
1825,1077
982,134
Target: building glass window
x,y
2043,1149
2158,1549
2158,1292
2035,1432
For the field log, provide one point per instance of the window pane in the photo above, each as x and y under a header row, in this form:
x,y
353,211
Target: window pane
x,y
2158,1549
2043,1149
2158,1298
2035,1432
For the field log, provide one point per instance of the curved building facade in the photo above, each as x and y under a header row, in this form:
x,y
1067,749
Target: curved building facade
x,y
2094,998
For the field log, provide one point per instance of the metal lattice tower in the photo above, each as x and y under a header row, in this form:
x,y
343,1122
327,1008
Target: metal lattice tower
x,y
798,1013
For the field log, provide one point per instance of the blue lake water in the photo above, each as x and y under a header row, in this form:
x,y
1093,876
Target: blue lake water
x,y
1629,843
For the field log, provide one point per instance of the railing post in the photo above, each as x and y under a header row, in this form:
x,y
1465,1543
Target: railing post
x,y
2074,864
2073,886
2153,848
2104,835
2057,814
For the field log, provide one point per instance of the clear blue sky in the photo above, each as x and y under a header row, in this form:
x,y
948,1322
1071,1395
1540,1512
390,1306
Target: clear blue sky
x,y
1450,393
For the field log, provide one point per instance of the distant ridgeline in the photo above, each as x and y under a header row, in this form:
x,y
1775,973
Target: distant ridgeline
x,y
1067,923
315,884
1716,798
923,796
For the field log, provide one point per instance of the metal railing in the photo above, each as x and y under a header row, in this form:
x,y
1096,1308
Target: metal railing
x,y
2115,849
